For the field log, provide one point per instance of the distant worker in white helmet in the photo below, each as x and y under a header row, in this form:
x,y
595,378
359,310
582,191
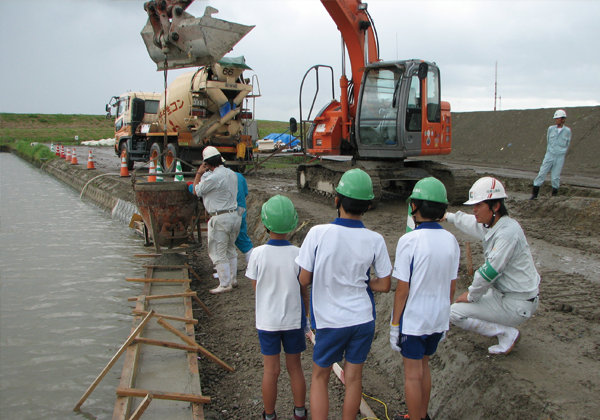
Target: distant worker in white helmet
x,y
558,139
218,187
504,291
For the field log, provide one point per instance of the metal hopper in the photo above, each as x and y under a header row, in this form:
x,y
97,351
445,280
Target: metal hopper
x,y
170,213
184,40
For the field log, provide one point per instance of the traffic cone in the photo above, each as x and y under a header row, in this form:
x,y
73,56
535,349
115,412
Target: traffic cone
x,y
52,147
152,172
68,155
62,152
178,177
74,158
159,172
124,170
57,151
90,164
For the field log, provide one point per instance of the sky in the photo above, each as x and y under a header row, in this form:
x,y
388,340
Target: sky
x,y
72,56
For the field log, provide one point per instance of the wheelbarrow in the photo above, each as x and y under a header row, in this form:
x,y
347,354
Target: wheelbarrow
x,y
170,213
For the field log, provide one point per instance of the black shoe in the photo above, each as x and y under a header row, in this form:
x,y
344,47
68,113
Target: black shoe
x,y
554,192
534,193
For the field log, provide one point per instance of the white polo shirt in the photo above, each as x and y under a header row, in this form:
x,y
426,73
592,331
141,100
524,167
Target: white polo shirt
x,y
427,258
340,256
279,304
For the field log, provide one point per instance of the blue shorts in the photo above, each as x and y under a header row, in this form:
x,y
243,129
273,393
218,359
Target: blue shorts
x,y
415,347
293,341
352,343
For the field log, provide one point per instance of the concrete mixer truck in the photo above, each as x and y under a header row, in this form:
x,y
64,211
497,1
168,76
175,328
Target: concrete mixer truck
x,y
207,106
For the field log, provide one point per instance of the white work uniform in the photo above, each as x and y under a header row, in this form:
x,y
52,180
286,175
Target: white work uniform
x,y
505,287
558,144
218,189
278,300
427,258
340,256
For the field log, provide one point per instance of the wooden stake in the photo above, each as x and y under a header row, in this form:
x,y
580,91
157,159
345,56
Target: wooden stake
x,y
163,266
114,359
192,271
159,395
165,316
147,255
141,408
192,342
147,280
153,297
166,344
197,299
469,258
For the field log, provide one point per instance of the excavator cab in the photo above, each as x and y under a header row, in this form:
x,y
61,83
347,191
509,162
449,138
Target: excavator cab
x,y
400,111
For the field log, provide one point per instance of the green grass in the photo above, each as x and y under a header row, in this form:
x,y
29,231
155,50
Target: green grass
x,y
36,154
47,128
62,128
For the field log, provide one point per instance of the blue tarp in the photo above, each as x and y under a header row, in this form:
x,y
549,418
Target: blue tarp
x,y
285,138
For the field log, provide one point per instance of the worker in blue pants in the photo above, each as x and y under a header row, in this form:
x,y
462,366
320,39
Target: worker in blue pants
x,y
558,139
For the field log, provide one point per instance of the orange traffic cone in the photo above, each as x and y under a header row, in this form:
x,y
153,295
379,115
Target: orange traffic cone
x,y
90,164
152,172
62,152
57,150
124,170
68,155
74,158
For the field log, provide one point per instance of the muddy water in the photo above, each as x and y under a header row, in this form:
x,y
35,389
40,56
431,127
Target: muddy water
x,y
63,296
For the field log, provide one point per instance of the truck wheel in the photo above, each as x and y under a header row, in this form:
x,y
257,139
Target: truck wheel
x,y
125,150
170,155
155,151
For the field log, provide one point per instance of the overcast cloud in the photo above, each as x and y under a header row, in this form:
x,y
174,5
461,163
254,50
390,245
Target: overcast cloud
x,y
70,57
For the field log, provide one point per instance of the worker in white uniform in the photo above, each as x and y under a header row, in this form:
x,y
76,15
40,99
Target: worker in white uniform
x,y
218,186
558,139
504,292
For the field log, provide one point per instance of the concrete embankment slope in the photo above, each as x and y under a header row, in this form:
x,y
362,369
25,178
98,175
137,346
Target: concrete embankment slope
x,y
516,139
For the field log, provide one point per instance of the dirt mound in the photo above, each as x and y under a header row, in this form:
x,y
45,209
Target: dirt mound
x,y
517,138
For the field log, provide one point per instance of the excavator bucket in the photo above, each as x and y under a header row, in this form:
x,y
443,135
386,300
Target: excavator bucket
x,y
191,41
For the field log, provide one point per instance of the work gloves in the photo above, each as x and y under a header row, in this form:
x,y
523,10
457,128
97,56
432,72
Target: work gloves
x,y
395,337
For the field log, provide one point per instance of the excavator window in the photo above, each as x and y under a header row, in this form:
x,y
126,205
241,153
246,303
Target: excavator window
x,y
433,95
122,106
151,107
413,106
377,114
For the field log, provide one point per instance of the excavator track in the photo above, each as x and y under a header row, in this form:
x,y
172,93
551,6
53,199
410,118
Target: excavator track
x,y
321,179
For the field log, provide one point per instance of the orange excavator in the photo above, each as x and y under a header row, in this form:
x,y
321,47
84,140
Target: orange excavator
x,y
388,111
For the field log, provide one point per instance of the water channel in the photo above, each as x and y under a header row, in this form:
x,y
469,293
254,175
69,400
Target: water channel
x,y
63,296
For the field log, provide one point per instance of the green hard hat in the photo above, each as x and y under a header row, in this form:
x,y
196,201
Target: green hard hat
x,y
356,184
279,215
429,189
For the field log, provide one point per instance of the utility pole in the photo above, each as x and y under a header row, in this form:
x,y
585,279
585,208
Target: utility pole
x,y
496,86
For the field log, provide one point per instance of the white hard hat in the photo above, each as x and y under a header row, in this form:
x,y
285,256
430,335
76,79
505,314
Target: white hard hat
x,y
210,151
560,114
486,188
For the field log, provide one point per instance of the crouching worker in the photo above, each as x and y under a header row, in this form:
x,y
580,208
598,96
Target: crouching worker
x,y
426,267
281,305
504,292
336,259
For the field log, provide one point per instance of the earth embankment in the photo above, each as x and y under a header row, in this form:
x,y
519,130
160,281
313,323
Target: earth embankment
x,y
517,138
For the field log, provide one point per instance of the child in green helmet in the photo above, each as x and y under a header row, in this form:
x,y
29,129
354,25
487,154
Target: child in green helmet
x,y
426,268
336,259
281,305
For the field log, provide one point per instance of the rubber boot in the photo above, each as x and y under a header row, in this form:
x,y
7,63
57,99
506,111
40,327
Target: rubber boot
x,y
554,192
224,273
535,192
233,271
247,255
507,336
